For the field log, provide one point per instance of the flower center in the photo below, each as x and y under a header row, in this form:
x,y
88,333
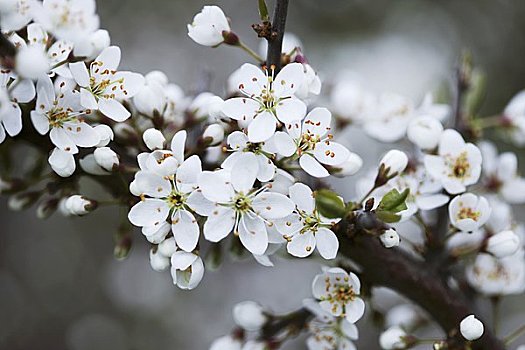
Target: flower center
x,y
58,116
468,213
338,293
460,166
176,200
242,203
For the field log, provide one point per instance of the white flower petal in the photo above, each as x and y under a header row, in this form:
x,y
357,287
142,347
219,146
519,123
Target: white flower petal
x,y
148,212
185,230
113,109
312,166
271,205
253,235
290,110
262,127
327,243
219,224
302,244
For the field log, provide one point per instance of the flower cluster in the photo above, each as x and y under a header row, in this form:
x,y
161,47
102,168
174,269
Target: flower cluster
x,y
252,169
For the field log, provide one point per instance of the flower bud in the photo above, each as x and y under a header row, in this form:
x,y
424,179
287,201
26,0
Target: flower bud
x,y
158,77
46,208
249,315
126,132
150,100
167,247
425,132
62,162
154,139
471,328
214,134
226,343
106,158
105,134
31,62
158,261
78,205
208,26
90,166
503,244
403,315
394,162
393,338
390,238
22,201
348,168
92,46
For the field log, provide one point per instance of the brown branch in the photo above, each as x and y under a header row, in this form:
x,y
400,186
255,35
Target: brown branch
x,y
414,279
275,42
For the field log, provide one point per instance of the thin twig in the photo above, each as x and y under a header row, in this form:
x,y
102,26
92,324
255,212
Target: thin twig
x,y
275,42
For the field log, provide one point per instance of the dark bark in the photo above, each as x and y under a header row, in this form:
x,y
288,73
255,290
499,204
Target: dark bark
x,y
416,280
275,41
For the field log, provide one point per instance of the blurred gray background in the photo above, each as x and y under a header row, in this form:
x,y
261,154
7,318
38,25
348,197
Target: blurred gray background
x,y
60,287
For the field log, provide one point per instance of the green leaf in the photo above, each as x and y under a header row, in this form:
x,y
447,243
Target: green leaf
x,y
329,204
388,217
394,201
263,11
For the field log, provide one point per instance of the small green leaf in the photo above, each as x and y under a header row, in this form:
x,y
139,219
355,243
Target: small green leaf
x,y
388,217
394,201
329,204
263,11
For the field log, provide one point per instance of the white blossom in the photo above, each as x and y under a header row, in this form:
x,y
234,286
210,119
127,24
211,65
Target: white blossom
x,y
338,292
425,132
102,87
174,195
305,229
492,276
471,328
240,207
501,173
457,165
61,115
16,14
469,212
328,332
72,20
187,269
311,141
263,152
208,26
268,99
